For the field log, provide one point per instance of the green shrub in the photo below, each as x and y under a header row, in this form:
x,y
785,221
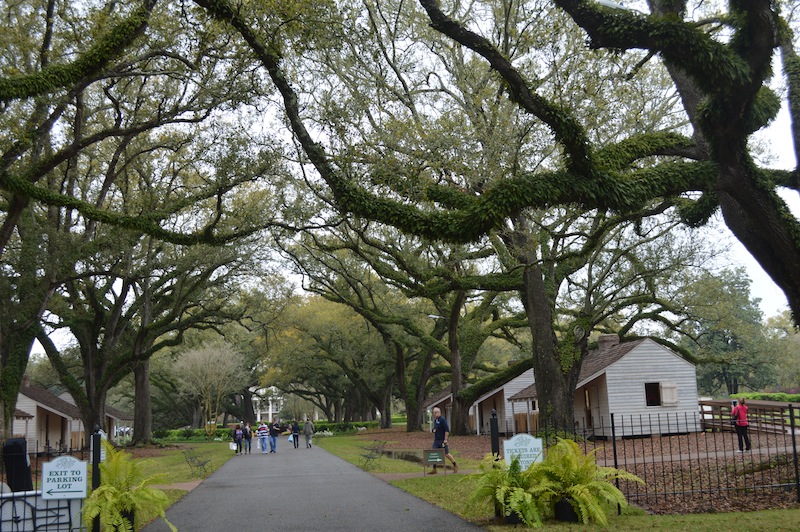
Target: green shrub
x,y
161,434
345,427
506,486
187,433
565,474
780,397
124,491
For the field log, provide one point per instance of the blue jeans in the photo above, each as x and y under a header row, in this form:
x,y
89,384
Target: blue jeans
x,y
262,440
247,442
273,443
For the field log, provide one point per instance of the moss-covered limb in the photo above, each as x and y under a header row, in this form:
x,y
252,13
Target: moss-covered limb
x,y
484,213
143,224
54,77
782,178
715,66
65,376
619,156
487,384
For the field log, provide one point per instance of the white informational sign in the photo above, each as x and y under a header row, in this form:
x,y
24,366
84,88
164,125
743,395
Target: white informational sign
x,y
64,478
528,448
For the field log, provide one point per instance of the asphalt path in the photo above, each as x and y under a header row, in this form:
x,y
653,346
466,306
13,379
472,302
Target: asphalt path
x,y
302,489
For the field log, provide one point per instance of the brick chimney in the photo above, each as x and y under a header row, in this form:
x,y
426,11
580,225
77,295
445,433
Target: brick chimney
x,y
607,341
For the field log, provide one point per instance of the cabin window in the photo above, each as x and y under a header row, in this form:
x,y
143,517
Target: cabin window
x,y
661,393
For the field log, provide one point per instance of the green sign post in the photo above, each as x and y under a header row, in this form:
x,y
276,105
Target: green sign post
x,y
432,457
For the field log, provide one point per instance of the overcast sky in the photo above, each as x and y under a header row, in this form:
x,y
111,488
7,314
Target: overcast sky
x,y
780,139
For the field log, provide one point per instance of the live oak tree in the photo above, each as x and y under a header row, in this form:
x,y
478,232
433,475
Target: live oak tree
x,y
122,309
721,77
408,289
100,133
308,354
392,164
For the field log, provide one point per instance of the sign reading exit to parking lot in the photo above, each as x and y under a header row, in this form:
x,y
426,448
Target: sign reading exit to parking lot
x,y
64,478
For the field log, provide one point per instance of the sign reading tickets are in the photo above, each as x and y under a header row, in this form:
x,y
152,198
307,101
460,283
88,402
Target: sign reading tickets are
x,y
528,448
64,478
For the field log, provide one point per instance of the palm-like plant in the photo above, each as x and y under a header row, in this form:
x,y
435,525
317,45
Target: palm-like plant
x,y
568,474
123,491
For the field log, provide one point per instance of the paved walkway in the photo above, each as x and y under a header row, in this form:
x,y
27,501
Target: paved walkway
x,y
303,489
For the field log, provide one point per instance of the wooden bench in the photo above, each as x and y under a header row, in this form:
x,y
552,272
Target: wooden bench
x,y
197,465
372,455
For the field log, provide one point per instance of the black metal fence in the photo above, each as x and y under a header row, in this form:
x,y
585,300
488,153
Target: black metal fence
x,y
689,468
22,507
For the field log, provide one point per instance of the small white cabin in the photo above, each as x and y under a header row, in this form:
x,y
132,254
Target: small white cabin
x,y
648,388
480,412
53,424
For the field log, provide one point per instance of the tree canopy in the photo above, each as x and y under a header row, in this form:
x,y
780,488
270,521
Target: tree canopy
x,y
511,127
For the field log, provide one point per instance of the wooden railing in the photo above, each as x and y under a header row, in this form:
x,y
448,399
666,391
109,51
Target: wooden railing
x,y
762,416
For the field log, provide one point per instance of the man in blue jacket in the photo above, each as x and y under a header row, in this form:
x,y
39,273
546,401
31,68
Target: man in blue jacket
x,y
441,432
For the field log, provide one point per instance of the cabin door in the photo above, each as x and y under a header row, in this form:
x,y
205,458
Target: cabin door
x,y
591,405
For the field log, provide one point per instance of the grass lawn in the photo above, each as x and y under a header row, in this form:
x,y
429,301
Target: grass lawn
x,y
351,449
453,492
171,459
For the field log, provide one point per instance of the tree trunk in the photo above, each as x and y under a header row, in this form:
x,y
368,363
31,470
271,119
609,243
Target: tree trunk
x,y
415,396
555,367
197,416
248,411
15,349
459,415
386,406
143,408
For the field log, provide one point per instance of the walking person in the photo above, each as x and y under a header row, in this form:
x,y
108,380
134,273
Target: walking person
x,y
263,435
739,415
238,435
441,433
248,438
274,432
308,431
296,434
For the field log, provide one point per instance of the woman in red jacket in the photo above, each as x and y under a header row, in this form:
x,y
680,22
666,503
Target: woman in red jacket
x,y
739,415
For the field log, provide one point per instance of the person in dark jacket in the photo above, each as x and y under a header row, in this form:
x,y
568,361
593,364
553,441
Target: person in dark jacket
x,y
441,433
296,434
238,435
274,432
248,438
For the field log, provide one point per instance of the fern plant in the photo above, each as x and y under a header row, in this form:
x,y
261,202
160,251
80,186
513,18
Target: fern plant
x,y
506,486
566,473
123,491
